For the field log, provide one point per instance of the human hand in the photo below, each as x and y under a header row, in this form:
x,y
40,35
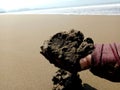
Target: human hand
x,y
105,62
85,62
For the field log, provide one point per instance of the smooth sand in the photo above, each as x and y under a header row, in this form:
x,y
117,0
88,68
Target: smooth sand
x,y
21,65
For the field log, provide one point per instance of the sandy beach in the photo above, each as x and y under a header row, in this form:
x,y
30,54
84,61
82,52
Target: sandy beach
x,y
21,65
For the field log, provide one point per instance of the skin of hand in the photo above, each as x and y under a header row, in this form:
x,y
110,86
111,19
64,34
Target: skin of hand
x,y
85,62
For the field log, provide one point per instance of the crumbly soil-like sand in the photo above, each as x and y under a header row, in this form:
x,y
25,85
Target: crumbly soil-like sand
x,y
64,49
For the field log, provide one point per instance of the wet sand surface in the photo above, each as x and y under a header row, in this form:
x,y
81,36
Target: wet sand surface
x,y
21,65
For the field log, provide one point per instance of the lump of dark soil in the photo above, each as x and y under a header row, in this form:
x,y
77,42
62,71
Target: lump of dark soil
x,y
63,80
65,49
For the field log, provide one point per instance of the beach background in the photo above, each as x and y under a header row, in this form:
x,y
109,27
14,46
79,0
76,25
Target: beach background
x,y
22,67
74,7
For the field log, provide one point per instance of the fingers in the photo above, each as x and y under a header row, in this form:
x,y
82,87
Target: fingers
x,y
85,63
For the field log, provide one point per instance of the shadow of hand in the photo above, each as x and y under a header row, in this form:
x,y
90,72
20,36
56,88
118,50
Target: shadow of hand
x,y
88,87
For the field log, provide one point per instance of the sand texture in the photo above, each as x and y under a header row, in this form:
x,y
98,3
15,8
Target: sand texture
x,y
22,67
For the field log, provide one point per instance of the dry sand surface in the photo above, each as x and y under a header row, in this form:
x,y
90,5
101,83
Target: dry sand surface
x,y
21,65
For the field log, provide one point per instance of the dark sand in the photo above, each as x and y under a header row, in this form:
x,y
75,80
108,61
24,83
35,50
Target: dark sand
x,y
22,67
